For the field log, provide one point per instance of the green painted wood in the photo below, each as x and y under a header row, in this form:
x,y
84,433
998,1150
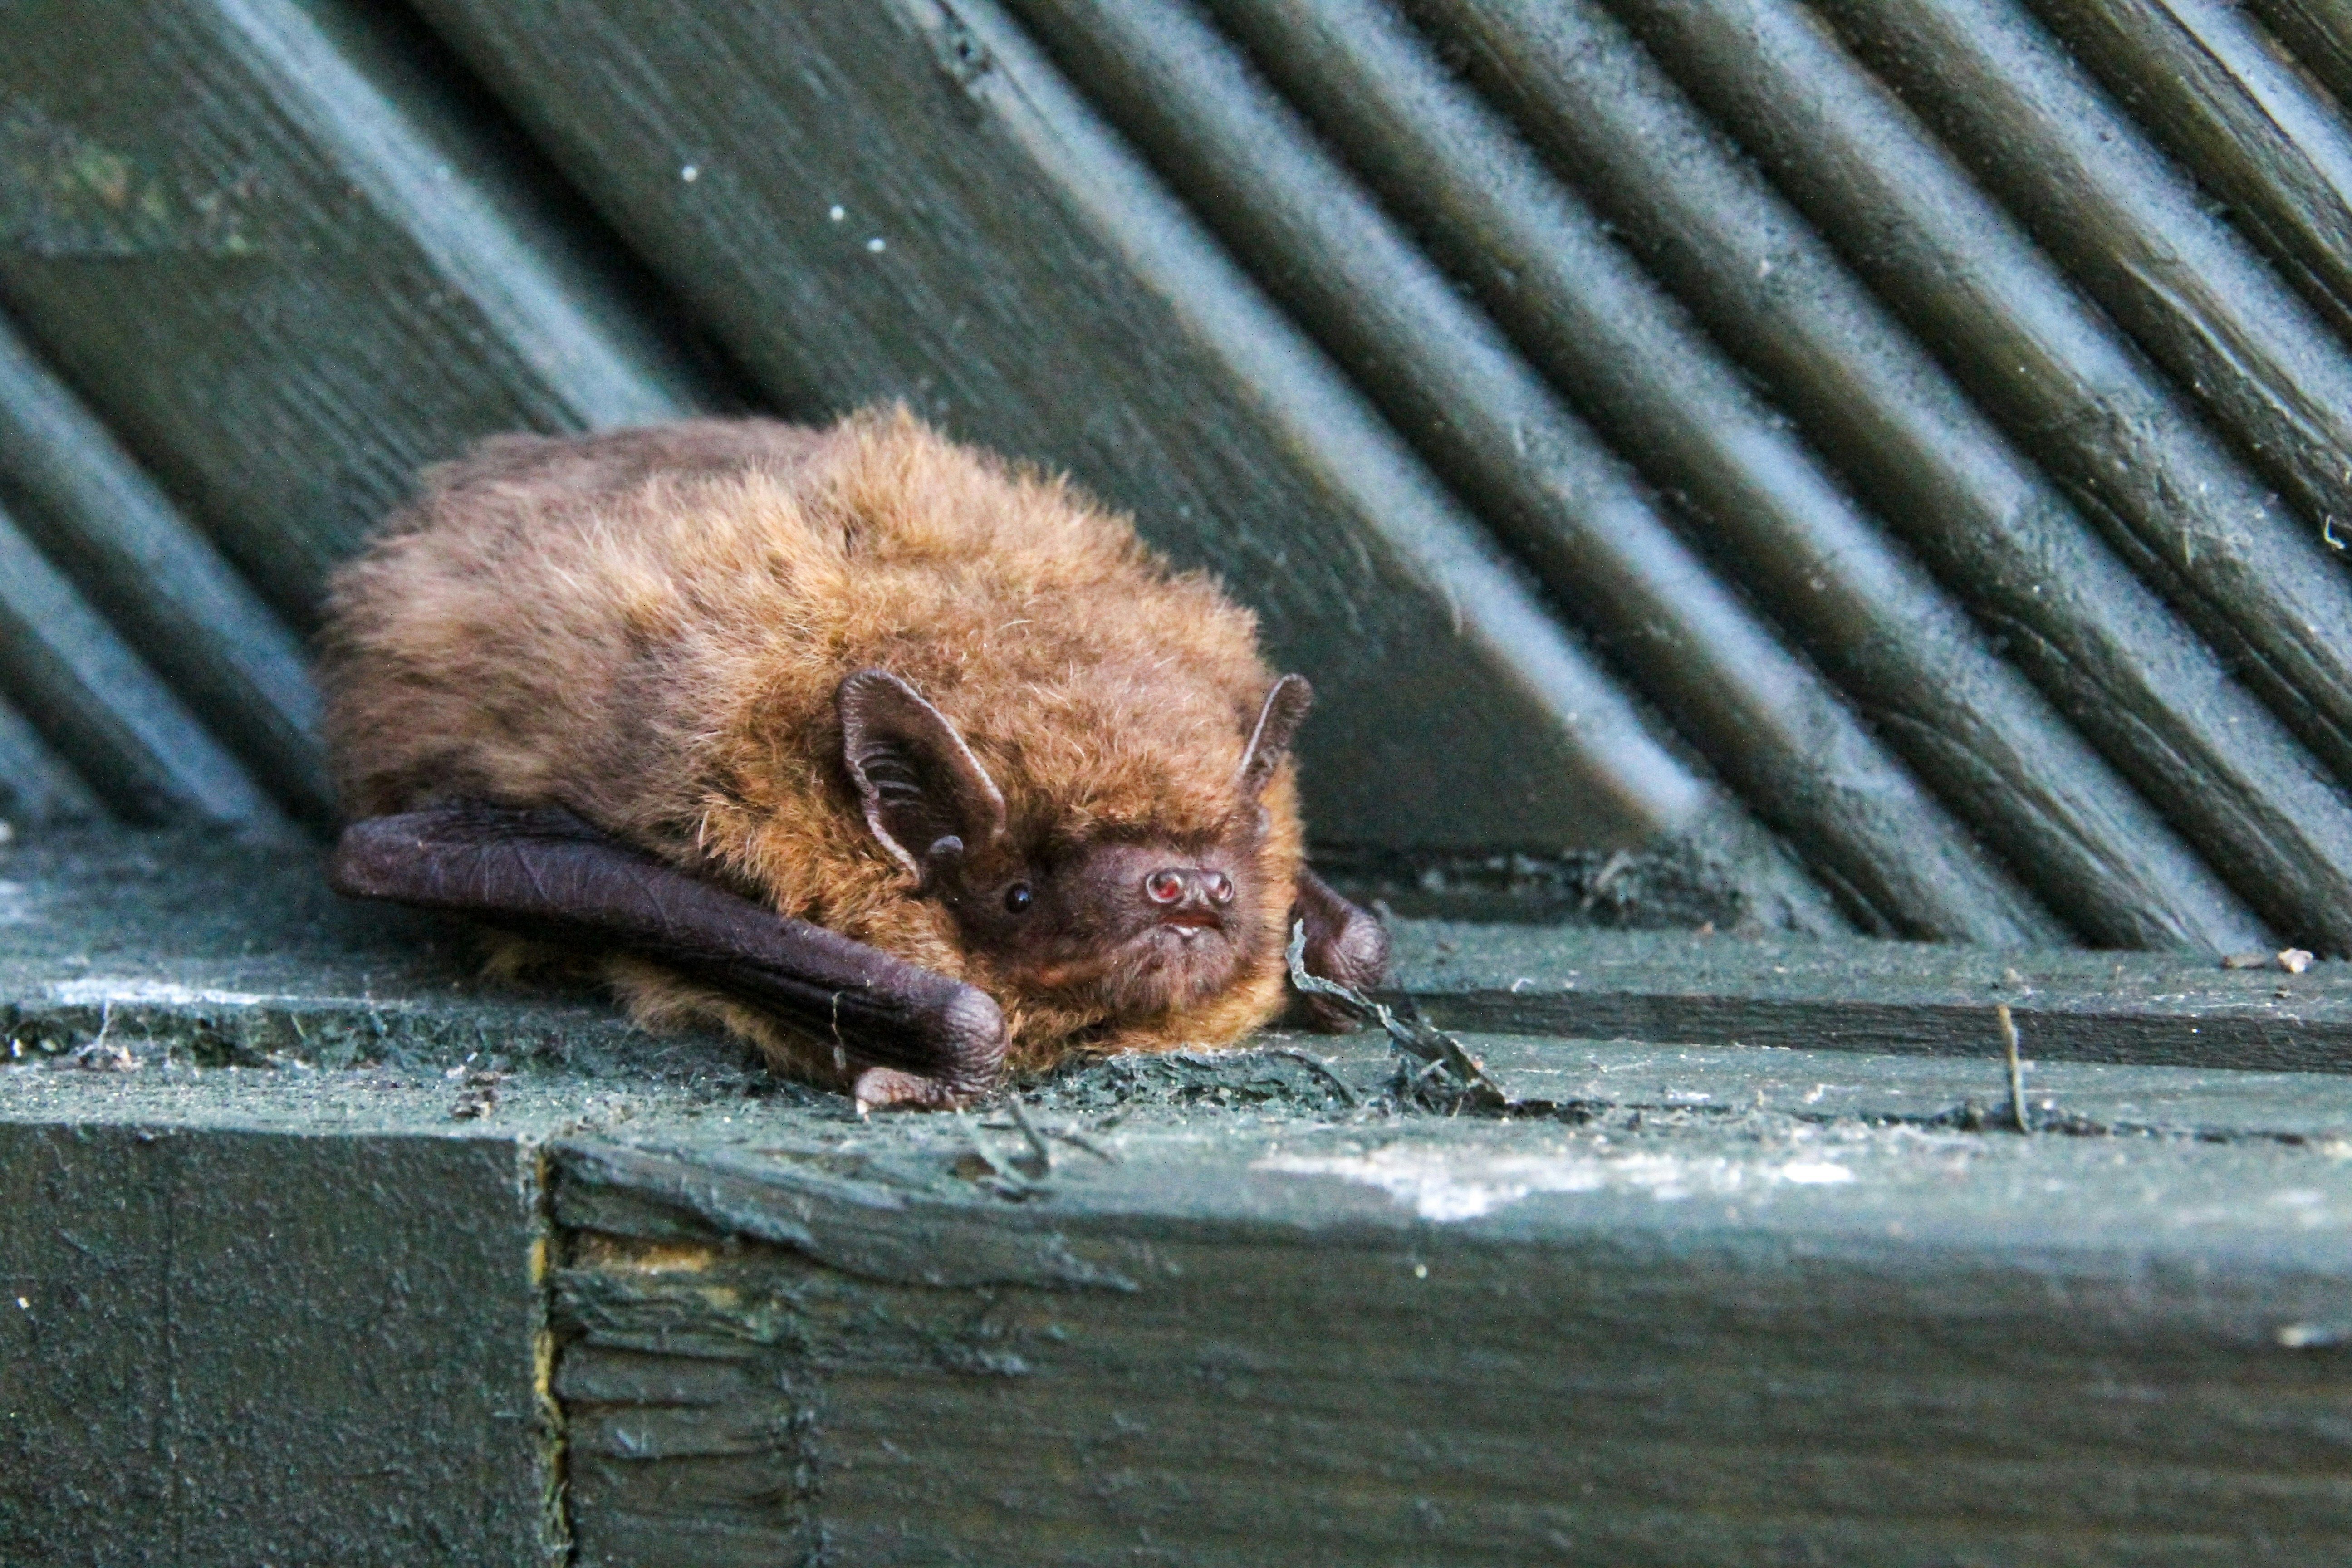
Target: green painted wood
x,y
161,584
2210,85
204,948
890,200
1877,996
94,700
1377,1343
288,264
2070,390
1571,299
1995,530
1570,506
37,785
2037,131
1716,1305
229,1348
2320,33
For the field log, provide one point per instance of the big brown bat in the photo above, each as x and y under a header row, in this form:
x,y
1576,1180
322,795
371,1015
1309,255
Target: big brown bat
x,y
900,761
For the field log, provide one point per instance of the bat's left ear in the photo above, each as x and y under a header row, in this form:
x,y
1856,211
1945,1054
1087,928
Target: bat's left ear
x,y
1277,721
925,796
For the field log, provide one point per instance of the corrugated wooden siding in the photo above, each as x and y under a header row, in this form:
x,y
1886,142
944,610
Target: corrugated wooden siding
x,y
1889,458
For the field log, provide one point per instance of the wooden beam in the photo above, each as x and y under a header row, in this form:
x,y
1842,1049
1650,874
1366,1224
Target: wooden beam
x,y
229,1347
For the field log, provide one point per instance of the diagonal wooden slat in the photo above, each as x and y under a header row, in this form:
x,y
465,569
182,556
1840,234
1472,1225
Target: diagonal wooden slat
x,y
288,264
2071,389
123,731
2039,134
162,584
885,199
1575,304
2211,86
1767,285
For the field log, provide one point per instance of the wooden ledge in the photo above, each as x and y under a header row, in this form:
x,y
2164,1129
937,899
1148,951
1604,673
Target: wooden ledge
x,y
487,1277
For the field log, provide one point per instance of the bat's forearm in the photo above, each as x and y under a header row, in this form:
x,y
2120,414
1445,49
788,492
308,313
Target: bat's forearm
x,y
548,873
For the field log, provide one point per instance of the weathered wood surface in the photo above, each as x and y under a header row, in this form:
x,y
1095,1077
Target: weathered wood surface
x,y
1563,301
289,264
2219,93
232,952
896,200
1470,1344
162,584
1994,527
224,1347
2074,393
1700,1303
1728,1305
2128,225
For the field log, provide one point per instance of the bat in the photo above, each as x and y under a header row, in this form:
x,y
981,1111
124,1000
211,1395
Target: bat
x,y
905,763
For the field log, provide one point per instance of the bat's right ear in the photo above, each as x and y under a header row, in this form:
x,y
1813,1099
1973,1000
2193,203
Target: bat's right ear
x,y
1269,743
925,795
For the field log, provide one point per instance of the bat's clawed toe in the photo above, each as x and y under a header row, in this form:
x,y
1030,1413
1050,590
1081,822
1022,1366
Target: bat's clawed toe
x,y
890,1088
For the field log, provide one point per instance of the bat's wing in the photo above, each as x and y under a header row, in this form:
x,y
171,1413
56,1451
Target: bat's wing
x,y
918,1036
1343,943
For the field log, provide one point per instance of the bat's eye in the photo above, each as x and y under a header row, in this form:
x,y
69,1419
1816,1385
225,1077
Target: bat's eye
x,y
1018,898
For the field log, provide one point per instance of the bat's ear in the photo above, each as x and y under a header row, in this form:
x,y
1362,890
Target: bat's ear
x,y
925,796
1277,721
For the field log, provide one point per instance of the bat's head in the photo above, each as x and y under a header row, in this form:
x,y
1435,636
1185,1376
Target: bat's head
x,y
1131,921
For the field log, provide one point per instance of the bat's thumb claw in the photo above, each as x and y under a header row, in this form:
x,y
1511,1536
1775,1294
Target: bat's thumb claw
x,y
888,1089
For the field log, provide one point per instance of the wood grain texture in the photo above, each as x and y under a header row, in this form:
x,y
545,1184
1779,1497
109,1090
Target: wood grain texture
x,y
2038,355
1476,1345
162,584
229,1348
1765,283
2210,85
288,266
99,706
900,200
2038,133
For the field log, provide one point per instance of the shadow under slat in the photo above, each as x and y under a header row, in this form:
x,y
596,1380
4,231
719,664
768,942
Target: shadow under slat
x,y
163,586
2101,644
2072,391
37,785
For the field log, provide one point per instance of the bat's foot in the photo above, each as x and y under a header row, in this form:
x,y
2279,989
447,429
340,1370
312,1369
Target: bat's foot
x,y
888,1089
1344,944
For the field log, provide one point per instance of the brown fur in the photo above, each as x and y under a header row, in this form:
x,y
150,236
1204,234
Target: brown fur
x,y
649,628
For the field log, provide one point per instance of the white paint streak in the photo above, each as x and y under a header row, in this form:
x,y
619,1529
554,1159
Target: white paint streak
x,y
1451,1185
100,988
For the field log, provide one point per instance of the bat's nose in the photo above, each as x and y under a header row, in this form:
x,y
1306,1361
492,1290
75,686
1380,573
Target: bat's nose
x,y
1188,886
